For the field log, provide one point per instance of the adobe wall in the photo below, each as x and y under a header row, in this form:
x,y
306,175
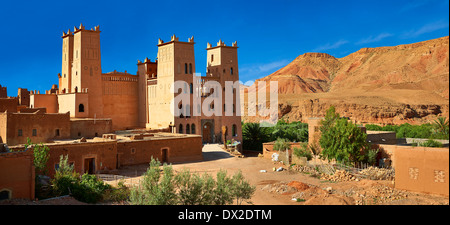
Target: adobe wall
x,y
17,174
48,101
3,92
422,169
70,103
381,137
268,149
89,128
3,128
180,149
314,131
9,104
120,100
104,152
46,126
23,96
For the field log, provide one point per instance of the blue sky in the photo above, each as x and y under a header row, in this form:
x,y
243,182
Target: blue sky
x,y
270,34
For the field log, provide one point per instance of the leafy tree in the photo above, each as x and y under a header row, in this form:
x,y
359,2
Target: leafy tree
x,y
40,155
342,140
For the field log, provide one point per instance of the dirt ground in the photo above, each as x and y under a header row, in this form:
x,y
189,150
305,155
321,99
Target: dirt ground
x,y
289,187
286,187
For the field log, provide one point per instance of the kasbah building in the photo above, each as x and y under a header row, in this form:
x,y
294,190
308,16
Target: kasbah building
x,y
103,121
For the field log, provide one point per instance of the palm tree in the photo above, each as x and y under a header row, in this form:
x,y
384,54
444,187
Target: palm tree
x,y
441,125
254,135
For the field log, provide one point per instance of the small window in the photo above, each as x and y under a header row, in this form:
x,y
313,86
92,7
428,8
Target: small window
x,y
20,133
190,68
34,132
133,151
80,107
57,133
188,129
193,129
185,68
5,194
188,111
231,70
212,58
233,130
181,129
79,134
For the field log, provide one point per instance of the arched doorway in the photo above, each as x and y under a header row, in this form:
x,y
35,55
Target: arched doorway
x,y
208,131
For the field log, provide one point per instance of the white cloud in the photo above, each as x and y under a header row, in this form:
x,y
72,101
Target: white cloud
x,y
372,39
427,28
263,68
330,46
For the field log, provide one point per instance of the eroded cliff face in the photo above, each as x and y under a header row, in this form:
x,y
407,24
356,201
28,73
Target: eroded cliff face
x,y
386,85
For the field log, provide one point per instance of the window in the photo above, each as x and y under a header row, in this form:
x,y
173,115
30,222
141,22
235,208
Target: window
x,y
5,194
188,129
57,132
191,87
34,132
181,129
233,130
188,112
20,134
193,129
231,70
185,68
190,68
212,58
80,107
133,151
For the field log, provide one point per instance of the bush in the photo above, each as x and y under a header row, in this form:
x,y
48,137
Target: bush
x,y
431,143
162,187
87,188
371,156
281,144
303,151
437,130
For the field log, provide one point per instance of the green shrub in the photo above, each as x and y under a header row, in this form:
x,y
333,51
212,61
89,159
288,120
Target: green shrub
x,y
162,187
431,143
303,151
371,156
86,188
281,144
